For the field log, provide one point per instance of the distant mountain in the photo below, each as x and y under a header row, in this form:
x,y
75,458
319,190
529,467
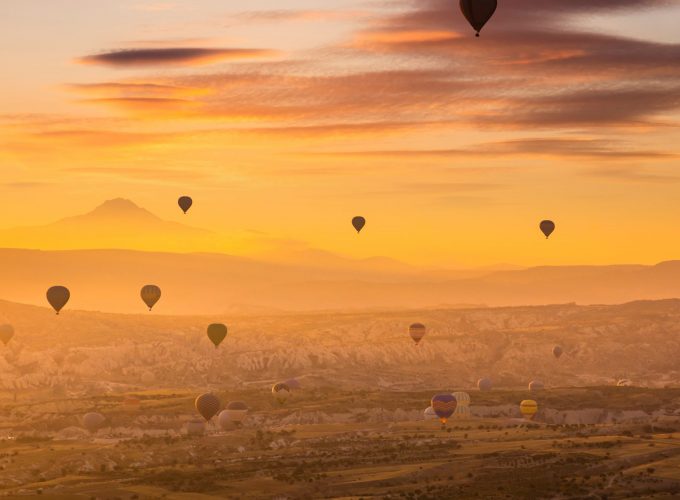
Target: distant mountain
x,y
203,283
117,223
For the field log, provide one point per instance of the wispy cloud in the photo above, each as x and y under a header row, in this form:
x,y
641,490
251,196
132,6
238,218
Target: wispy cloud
x,y
173,56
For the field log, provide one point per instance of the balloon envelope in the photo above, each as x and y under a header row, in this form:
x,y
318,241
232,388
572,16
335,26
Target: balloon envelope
x,y
207,405
557,351
185,203
536,385
238,411
58,296
281,391
217,333
150,295
444,405
429,414
6,333
478,12
93,421
293,384
484,384
417,331
547,228
528,408
358,223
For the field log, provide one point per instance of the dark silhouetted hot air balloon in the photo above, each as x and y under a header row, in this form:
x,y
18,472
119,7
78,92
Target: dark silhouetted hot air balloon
x,y
557,351
217,333
93,421
185,203
444,405
207,405
58,296
417,331
484,384
281,391
150,295
547,228
478,12
528,408
238,411
6,333
536,385
358,223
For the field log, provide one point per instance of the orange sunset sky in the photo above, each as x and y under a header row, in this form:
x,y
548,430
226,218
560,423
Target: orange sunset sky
x,y
284,119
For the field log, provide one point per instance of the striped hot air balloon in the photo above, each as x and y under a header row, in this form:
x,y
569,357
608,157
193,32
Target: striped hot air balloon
x,y
444,405
417,331
528,408
463,405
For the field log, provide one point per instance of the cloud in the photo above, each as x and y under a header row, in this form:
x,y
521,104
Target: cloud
x,y
173,56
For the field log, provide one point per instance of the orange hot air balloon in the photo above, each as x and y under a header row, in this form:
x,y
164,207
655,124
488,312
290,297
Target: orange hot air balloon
x,y
417,331
150,295
58,296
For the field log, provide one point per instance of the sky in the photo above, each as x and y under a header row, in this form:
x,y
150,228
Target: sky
x,y
283,120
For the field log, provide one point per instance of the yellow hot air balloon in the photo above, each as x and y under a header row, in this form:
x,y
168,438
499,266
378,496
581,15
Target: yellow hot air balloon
x,y
528,408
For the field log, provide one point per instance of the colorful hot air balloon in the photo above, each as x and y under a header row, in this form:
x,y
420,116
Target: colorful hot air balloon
x,y
6,333
547,228
444,405
528,408
417,331
484,384
217,333
238,411
557,351
207,405
358,223
536,385
281,391
58,296
93,421
478,12
185,203
150,295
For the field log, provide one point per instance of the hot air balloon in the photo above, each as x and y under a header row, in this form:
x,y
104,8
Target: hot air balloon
x,y
484,384
6,333
216,333
358,223
429,414
547,228
478,12
185,203
528,408
225,422
58,296
195,427
417,331
536,385
624,382
281,391
150,295
293,384
444,405
207,405
557,351
463,405
93,421
238,411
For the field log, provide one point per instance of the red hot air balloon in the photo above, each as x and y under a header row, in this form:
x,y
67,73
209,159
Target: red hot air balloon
x,y
185,203
444,405
207,405
478,12
58,296
417,331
